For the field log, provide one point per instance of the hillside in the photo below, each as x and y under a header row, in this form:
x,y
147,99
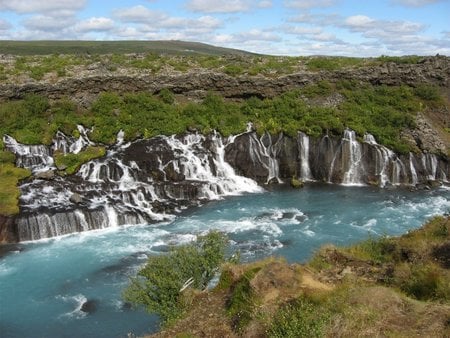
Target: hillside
x,y
170,47
386,287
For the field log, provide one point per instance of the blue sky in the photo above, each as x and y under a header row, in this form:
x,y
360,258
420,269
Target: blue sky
x,y
282,27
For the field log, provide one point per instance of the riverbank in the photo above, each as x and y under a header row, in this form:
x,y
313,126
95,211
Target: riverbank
x,y
395,286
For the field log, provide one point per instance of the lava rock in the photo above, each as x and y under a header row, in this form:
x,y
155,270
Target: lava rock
x,y
76,198
45,175
89,306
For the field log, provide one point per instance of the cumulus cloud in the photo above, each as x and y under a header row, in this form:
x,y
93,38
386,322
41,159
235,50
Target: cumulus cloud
x,y
230,6
308,4
414,3
94,24
368,26
46,23
155,20
138,14
44,7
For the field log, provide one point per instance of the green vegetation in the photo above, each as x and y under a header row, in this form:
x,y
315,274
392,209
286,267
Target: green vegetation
x,y
417,260
158,285
9,193
386,287
242,300
334,63
72,162
301,318
108,47
380,110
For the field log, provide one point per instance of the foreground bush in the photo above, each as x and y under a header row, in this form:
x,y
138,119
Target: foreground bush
x,y
159,283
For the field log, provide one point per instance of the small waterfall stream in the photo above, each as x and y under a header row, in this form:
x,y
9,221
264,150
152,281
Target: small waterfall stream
x,y
303,145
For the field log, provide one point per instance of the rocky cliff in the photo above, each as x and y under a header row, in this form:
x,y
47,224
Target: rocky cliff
x,y
86,83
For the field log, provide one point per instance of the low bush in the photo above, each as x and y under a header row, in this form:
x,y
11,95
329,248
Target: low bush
x,y
158,284
300,318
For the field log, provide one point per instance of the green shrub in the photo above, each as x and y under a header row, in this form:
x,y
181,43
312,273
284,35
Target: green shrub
x,y
157,285
241,304
424,282
427,92
301,318
72,162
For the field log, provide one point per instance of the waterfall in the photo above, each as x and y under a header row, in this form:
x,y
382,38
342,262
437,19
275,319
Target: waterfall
x,y
270,152
429,162
353,174
34,157
412,168
141,182
369,138
68,144
303,145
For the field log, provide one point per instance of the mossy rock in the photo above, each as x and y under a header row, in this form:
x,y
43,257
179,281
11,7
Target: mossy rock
x,y
296,183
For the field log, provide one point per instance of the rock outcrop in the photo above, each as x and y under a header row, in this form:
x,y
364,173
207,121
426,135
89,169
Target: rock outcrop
x,y
197,82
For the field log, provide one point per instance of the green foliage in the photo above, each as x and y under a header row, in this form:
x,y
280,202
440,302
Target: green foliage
x,y
380,110
301,318
333,63
241,304
166,96
424,282
410,59
427,92
233,70
9,192
72,162
157,286
378,250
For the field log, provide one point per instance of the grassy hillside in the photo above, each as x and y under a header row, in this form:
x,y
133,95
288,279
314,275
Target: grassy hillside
x,y
386,287
113,47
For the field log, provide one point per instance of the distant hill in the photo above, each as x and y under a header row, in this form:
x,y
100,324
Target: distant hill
x,y
108,47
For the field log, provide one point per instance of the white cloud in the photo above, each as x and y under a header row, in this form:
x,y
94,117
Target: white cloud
x,y
94,24
153,21
414,3
138,14
372,27
45,6
47,23
308,4
4,25
359,21
230,6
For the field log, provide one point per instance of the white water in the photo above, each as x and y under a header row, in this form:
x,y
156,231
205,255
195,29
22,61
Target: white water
x,y
303,145
353,174
34,157
43,287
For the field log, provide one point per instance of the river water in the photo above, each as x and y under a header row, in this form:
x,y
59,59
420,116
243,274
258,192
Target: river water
x,y
44,283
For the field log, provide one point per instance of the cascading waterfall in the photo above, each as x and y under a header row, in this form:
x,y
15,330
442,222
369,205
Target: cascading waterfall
x,y
147,181
429,162
303,145
412,168
270,151
34,157
353,174
68,144
134,183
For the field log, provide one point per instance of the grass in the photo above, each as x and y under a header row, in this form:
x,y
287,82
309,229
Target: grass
x,y
72,162
242,300
9,192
